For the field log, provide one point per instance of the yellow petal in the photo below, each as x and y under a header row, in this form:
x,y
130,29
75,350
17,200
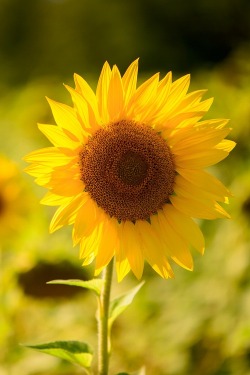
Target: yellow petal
x,y
198,208
164,88
115,95
152,112
178,109
122,263
49,156
129,81
144,96
85,220
65,118
181,119
200,140
89,96
178,90
226,145
131,247
200,159
66,181
203,106
176,136
51,199
58,137
45,173
64,186
186,228
38,170
152,249
102,92
186,189
89,244
176,247
157,109
191,99
88,260
43,179
65,215
206,182
107,246
81,107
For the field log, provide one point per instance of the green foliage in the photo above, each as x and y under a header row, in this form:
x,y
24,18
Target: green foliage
x,y
78,352
73,351
80,35
140,372
95,285
119,304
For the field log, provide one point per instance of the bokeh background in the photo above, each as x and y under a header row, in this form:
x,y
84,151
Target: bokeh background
x,y
198,323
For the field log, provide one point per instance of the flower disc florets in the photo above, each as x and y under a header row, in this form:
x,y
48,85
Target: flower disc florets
x,y
128,170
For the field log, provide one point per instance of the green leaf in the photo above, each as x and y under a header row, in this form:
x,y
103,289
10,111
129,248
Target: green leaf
x,y
140,372
73,351
95,284
118,305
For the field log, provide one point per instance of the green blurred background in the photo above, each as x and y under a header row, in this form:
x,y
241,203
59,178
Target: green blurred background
x,y
198,323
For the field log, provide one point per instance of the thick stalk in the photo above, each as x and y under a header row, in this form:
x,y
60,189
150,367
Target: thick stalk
x,y
103,315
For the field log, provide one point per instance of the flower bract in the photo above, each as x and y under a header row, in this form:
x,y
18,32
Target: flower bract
x,y
127,170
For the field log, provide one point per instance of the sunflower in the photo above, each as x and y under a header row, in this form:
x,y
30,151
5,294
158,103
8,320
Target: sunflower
x,y
12,198
127,170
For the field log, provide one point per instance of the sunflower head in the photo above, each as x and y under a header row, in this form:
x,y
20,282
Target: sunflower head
x,y
127,170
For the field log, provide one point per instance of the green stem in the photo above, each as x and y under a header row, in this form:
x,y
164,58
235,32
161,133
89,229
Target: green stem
x,y
103,315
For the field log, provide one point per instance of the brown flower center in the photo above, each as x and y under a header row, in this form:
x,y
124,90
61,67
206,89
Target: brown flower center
x,y
128,170
132,168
